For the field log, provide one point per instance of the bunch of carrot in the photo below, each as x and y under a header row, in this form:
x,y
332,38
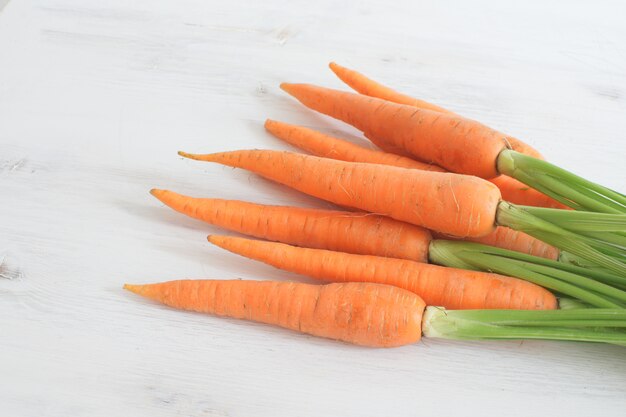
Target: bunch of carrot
x,y
379,254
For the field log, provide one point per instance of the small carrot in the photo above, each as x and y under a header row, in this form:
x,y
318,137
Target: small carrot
x,y
377,315
361,313
327,146
344,231
369,87
447,287
457,205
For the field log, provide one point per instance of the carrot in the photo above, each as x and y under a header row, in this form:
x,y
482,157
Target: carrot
x,y
448,287
369,87
457,205
345,231
377,315
327,146
366,86
360,313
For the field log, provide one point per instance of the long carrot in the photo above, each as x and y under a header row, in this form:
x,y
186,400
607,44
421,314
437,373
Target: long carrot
x,y
377,315
454,204
327,146
344,231
369,87
447,287
361,313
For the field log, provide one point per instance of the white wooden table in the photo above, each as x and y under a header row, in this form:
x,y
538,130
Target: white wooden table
x,y
97,97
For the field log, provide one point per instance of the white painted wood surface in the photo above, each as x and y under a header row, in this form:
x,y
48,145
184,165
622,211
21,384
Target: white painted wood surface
x,y
96,98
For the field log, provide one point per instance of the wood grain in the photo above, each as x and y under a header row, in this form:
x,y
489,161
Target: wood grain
x,y
97,97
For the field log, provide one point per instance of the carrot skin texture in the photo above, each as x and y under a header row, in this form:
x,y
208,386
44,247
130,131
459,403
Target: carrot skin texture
x,y
360,313
436,285
450,141
457,205
364,85
344,231
326,146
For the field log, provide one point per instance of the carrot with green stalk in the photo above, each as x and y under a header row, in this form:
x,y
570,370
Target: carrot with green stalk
x,y
370,234
452,288
376,315
457,144
452,204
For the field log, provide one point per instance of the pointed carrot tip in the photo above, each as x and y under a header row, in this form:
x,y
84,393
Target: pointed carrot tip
x,y
156,192
133,288
286,87
268,122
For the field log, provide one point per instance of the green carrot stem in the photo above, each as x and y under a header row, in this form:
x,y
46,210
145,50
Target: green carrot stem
x,y
517,218
463,325
560,184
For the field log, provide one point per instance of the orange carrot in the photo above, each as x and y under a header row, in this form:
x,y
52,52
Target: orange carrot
x,y
326,146
344,231
436,285
450,141
361,313
366,86
457,205
369,87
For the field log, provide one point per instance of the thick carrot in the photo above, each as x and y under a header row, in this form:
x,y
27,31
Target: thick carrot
x,y
457,205
506,238
327,146
440,286
361,313
369,87
450,141
344,231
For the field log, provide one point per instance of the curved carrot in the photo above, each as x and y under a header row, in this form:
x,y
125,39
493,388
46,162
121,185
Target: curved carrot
x,y
369,87
360,313
457,205
326,146
366,86
436,285
344,231
450,141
